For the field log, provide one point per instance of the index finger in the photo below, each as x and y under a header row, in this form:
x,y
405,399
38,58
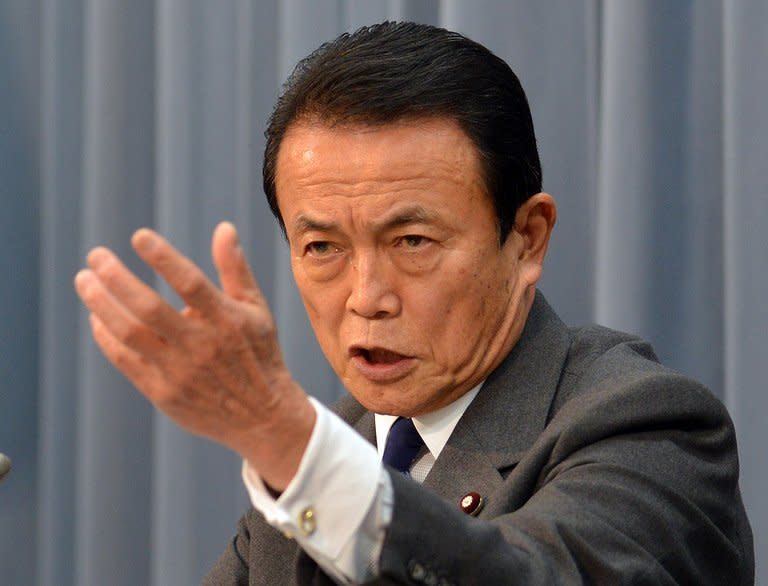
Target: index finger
x,y
184,276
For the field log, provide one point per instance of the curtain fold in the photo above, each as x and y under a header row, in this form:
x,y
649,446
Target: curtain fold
x,y
745,283
115,115
61,87
114,424
659,220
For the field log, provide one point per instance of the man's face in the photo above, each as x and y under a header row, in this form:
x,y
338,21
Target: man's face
x,y
395,251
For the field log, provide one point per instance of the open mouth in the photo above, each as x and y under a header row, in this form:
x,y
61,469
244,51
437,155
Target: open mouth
x,y
377,355
381,365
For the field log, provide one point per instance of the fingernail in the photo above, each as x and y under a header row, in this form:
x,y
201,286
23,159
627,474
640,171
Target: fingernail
x,y
96,257
235,232
144,240
82,278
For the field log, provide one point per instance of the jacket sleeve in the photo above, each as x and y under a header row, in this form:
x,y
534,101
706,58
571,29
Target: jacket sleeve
x,y
258,554
231,569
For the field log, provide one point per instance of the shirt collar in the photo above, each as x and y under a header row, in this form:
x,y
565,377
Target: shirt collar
x,y
435,428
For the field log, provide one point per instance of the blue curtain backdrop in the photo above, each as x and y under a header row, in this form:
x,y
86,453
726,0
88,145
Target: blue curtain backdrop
x,y
115,114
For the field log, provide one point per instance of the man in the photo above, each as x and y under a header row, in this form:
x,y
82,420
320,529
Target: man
x,y
402,166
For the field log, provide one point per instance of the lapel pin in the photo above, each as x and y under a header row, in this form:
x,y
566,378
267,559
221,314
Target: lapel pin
x,y
471,503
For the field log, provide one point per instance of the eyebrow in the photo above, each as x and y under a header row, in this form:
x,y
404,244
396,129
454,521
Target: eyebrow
x,y
304,223
411,215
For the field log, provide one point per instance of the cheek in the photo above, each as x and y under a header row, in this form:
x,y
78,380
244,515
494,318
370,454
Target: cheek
x,y
451,311
466,311
325,309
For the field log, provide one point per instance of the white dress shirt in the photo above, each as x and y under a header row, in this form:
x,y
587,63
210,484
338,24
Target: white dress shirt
x,y
339,504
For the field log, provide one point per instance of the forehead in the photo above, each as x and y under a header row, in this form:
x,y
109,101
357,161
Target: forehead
x,y
431,162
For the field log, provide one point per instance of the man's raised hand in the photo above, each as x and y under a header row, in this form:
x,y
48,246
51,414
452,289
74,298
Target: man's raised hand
x,y
214,367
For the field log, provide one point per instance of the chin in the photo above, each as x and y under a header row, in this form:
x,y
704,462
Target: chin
x,y
384,399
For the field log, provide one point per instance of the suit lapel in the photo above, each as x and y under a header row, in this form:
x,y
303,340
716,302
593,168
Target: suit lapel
x,y
509,412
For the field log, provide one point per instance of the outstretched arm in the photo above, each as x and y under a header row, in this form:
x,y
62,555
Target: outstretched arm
x,y
214,367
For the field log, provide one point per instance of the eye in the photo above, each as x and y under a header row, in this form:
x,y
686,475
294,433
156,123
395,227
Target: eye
x,y
412,241
320,248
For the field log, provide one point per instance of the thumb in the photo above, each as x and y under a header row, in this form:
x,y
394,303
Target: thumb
x,y
235,275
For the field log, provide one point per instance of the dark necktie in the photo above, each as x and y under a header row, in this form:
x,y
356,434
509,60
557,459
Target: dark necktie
x,y
403,444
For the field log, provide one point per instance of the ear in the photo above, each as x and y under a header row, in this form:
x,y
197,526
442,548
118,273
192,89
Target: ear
x,y
534,221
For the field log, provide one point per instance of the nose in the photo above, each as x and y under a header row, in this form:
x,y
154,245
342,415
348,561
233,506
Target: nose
x,y
372,294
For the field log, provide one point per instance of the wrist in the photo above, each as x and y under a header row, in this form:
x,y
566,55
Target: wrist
x,y
276,447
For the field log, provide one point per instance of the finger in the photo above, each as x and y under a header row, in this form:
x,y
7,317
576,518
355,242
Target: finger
x,y
179,272
121,323
140,371
235,275
137,297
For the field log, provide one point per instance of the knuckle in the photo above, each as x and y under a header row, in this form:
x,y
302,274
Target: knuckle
x,y
267,329
122,360
245,336
147,308
234,326
131,335
264,331
192,287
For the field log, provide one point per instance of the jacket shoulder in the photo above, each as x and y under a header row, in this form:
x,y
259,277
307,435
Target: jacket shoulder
x,y
608,365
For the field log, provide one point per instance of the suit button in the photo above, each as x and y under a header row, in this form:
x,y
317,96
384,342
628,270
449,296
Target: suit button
x,y
416,570
471,503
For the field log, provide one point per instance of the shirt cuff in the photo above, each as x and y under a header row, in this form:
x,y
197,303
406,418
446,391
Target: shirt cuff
x,y
326,502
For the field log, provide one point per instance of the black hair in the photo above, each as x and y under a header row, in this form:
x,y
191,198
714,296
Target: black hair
x,y
390,72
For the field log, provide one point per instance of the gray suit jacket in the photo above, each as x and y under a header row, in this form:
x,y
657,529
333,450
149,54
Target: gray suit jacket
x,y
596,465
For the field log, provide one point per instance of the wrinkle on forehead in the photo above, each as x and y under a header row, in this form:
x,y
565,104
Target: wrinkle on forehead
x,y
355,159
409,214
367,172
